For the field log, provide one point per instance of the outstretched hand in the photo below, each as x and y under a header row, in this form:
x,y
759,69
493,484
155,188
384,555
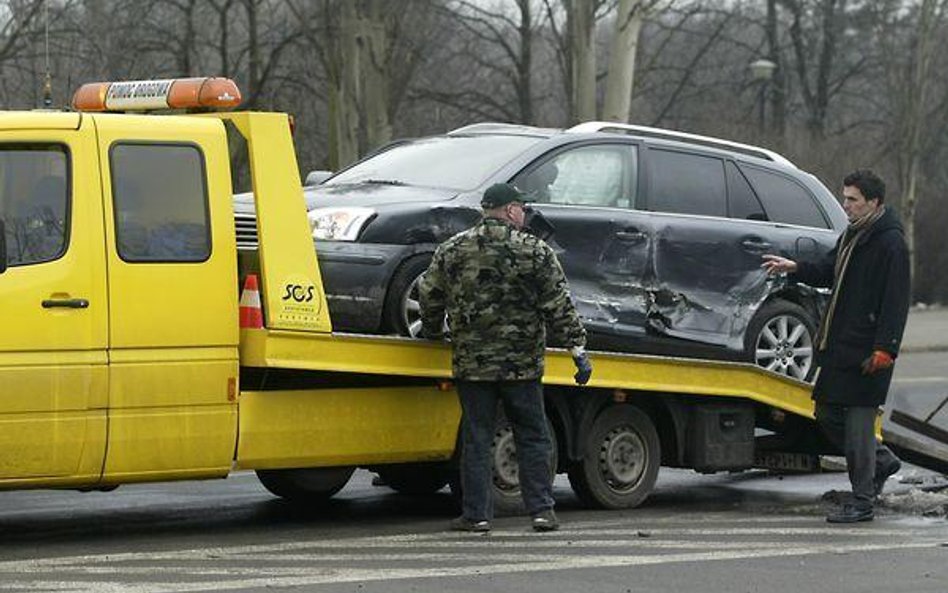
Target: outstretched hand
x,y
775,264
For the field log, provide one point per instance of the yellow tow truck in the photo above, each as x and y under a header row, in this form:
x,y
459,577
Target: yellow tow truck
x,y
122,360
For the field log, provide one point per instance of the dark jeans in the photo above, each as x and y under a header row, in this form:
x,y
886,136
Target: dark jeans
x,y
523,405
852,430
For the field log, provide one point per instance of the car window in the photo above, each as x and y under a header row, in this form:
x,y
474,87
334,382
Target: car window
x,y
686,183
453,162
741,201
785,200
34,202
594,175
160,199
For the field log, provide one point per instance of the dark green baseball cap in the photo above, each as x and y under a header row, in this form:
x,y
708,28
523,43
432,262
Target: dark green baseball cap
x,y
501,194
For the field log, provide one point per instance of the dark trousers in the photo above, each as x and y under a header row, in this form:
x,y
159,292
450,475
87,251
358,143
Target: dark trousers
x,y
852,430
523,405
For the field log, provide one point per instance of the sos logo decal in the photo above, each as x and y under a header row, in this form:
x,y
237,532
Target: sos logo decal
x,y
298,293
300,302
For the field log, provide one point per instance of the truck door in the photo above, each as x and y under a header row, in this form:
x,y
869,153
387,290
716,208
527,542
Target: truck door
x,y
173,291
53,371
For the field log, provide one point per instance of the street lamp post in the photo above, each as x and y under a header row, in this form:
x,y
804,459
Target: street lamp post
x,y
762,70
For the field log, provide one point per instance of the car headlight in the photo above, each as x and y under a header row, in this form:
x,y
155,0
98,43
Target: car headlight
x,y
338,224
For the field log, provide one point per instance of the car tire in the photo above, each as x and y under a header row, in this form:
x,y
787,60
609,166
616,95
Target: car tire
x,y
305,485
780,338
402,315
621,455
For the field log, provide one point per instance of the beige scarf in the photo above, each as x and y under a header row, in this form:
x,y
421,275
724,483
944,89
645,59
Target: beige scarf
x,y
854,232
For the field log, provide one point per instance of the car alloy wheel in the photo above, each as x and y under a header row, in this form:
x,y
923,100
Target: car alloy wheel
x,y
411,308
785,346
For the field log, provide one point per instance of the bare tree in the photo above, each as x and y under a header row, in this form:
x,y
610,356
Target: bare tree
x,y
816,27
912,74
624,48
581,18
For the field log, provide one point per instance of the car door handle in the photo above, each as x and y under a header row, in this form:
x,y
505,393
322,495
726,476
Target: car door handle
x,y
630,236
66,303
755,245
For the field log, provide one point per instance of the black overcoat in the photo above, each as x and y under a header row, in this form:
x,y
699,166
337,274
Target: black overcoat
x,y
870,313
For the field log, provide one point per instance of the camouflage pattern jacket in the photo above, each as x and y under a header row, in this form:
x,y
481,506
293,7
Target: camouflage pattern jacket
x,y
503,290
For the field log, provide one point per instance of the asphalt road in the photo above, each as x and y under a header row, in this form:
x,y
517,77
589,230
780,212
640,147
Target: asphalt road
x,y
748,532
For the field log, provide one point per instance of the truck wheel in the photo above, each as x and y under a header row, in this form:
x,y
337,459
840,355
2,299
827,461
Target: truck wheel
x,y
402,311
621,455
506,472
414,478
305,485
780,339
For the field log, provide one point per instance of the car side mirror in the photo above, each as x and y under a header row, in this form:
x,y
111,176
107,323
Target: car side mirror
x,y
317,177
537,225
3,247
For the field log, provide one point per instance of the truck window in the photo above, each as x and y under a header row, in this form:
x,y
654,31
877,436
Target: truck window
x,y
34,201
160,201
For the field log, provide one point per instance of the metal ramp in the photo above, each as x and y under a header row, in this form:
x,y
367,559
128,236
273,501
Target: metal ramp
x,y
404,357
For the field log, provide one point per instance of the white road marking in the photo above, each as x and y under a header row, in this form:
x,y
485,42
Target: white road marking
x,y
921,380
304,576
508,550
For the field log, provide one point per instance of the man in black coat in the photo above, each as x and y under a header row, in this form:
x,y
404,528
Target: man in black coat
x,y
860,335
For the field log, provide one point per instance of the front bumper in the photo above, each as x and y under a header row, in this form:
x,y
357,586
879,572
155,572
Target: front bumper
x,y
356,277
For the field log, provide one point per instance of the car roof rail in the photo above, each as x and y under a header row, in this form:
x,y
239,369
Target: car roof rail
x,y
590,127
501,127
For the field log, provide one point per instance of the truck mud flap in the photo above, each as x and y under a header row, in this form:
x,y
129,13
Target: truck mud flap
x,y
915,424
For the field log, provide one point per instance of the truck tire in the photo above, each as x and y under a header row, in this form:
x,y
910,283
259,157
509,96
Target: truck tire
x,y
414,478
780,338
307,484
506,472
621,455
401,313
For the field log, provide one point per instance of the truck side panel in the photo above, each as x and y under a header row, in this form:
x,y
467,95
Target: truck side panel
x,y
354,426
172,289
53,373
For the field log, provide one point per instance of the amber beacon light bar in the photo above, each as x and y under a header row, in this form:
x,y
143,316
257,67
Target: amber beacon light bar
x,y
144,95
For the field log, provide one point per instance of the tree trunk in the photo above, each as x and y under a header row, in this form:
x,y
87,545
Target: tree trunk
x,y
914,106
253,51
525,63
347,89
625,42
374,44
582,26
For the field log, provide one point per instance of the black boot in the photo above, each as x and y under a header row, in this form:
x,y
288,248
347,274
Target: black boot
x,y
850,513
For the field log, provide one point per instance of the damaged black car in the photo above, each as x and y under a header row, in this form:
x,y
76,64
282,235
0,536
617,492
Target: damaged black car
x,y
660,234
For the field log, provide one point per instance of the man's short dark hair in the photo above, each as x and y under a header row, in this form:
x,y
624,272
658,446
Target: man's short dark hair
x,y
870,184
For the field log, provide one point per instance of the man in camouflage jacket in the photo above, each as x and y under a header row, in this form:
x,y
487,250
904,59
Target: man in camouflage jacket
x,y
503,290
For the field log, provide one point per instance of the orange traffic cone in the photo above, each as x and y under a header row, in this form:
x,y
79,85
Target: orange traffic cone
x,y
251,313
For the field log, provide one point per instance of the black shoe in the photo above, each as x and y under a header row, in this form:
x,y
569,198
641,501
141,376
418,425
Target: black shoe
x,y
465,524
545,521
850,514
887,471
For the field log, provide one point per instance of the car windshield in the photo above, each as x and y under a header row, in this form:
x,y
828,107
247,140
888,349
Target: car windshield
x,y
453,162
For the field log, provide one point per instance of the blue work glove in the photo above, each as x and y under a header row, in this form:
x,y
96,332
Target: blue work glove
x,y
584,368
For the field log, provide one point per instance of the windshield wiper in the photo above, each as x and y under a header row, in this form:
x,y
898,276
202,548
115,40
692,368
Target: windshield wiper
x,y
383,181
